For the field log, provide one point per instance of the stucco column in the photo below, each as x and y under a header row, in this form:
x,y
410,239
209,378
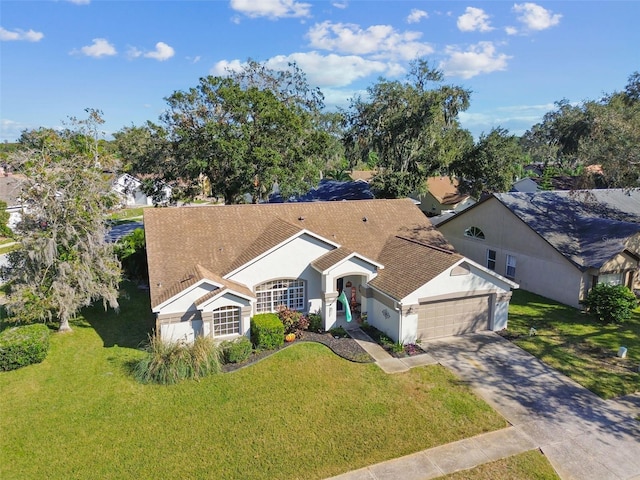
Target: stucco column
x,y
329,300
245,320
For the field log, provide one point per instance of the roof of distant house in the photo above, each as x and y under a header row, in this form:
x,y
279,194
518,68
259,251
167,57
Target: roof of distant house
x,y
11,189
331,190
220,239
362,175
445,190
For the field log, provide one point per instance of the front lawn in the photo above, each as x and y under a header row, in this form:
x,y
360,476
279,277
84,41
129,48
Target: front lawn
x,y
532,465
577,345
302,413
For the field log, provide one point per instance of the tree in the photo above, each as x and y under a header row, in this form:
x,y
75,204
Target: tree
x,y
5,231
132,252
492,164
611,303
65,262
240,132
412,129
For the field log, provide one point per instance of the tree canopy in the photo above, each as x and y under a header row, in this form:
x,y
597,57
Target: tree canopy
x,y
65,262
240,132
411,127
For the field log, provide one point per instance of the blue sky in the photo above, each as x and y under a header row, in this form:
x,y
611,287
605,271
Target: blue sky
x,y
124,57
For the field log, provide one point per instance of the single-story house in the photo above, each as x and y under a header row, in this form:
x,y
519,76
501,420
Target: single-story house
x,y
443,195
131,191
554,243
211,268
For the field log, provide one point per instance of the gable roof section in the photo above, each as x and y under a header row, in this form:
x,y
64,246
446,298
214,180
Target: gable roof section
x,y
197,274
588,227
222,237
445,190
409,264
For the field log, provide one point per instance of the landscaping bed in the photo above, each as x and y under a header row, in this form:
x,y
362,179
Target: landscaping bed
x,y
345,347
396,350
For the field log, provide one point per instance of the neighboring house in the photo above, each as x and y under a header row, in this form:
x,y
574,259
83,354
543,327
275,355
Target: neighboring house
x,y
443,195
362,175
525,185
555,243
211,268
10,192
131,192
330,191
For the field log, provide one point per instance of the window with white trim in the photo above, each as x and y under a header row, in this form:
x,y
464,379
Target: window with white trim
x,y
288,293
226,321
511,267
474,232
612,278
491,259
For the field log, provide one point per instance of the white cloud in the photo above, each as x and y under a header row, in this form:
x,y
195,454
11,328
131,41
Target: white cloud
x,y
516,118
80,2
474,20
272,9
416,15
99,48
511,30
17,34
479,58
161,53
322,70
340,5
378,41
535,17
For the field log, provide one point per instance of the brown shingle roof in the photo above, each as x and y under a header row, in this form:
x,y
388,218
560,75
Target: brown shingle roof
x,y
330,258
445,190
409,264
220,237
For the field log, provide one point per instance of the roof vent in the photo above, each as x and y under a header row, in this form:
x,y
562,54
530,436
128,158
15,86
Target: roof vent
x,y
301,218
364,219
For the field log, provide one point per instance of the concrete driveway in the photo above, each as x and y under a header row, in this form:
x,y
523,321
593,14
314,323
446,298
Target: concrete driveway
x,y
583,436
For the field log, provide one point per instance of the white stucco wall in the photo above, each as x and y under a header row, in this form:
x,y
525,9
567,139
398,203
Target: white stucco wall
x,y
446,284
291,260
183,331
384,318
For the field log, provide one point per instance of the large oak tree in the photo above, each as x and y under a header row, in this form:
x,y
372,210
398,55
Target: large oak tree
x,y
64,262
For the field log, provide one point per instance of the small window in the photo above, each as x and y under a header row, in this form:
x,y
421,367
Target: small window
x,y
226,321
474,232
611,279
491,259
511,266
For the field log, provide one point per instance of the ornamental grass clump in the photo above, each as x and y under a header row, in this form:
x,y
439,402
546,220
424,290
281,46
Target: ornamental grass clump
x,y
167,363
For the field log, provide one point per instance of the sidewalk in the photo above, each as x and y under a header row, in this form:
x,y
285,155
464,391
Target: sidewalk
x,y
449,458
385,361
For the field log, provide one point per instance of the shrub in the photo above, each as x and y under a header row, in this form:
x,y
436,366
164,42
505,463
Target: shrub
x,y
236,351
339,332
294,322
315,322
611,303
167,363
267,331
23,345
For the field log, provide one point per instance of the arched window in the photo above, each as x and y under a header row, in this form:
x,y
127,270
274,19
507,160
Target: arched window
x,y
271,295
226,321
474,232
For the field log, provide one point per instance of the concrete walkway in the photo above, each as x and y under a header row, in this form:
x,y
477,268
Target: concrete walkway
x,y
583,436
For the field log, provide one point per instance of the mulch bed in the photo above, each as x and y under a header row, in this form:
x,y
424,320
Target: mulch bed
x,y
345,347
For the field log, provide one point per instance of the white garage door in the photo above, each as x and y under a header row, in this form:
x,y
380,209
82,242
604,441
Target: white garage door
x,y
453,317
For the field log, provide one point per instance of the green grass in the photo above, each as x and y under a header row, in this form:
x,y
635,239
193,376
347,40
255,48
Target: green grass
x,y
9,248
577,345
127,214
532,465
301,413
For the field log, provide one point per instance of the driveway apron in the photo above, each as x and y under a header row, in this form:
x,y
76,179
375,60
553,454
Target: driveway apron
x,y
583,436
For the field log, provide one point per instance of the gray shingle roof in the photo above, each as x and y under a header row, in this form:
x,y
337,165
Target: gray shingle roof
x,y
222,238
588,227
